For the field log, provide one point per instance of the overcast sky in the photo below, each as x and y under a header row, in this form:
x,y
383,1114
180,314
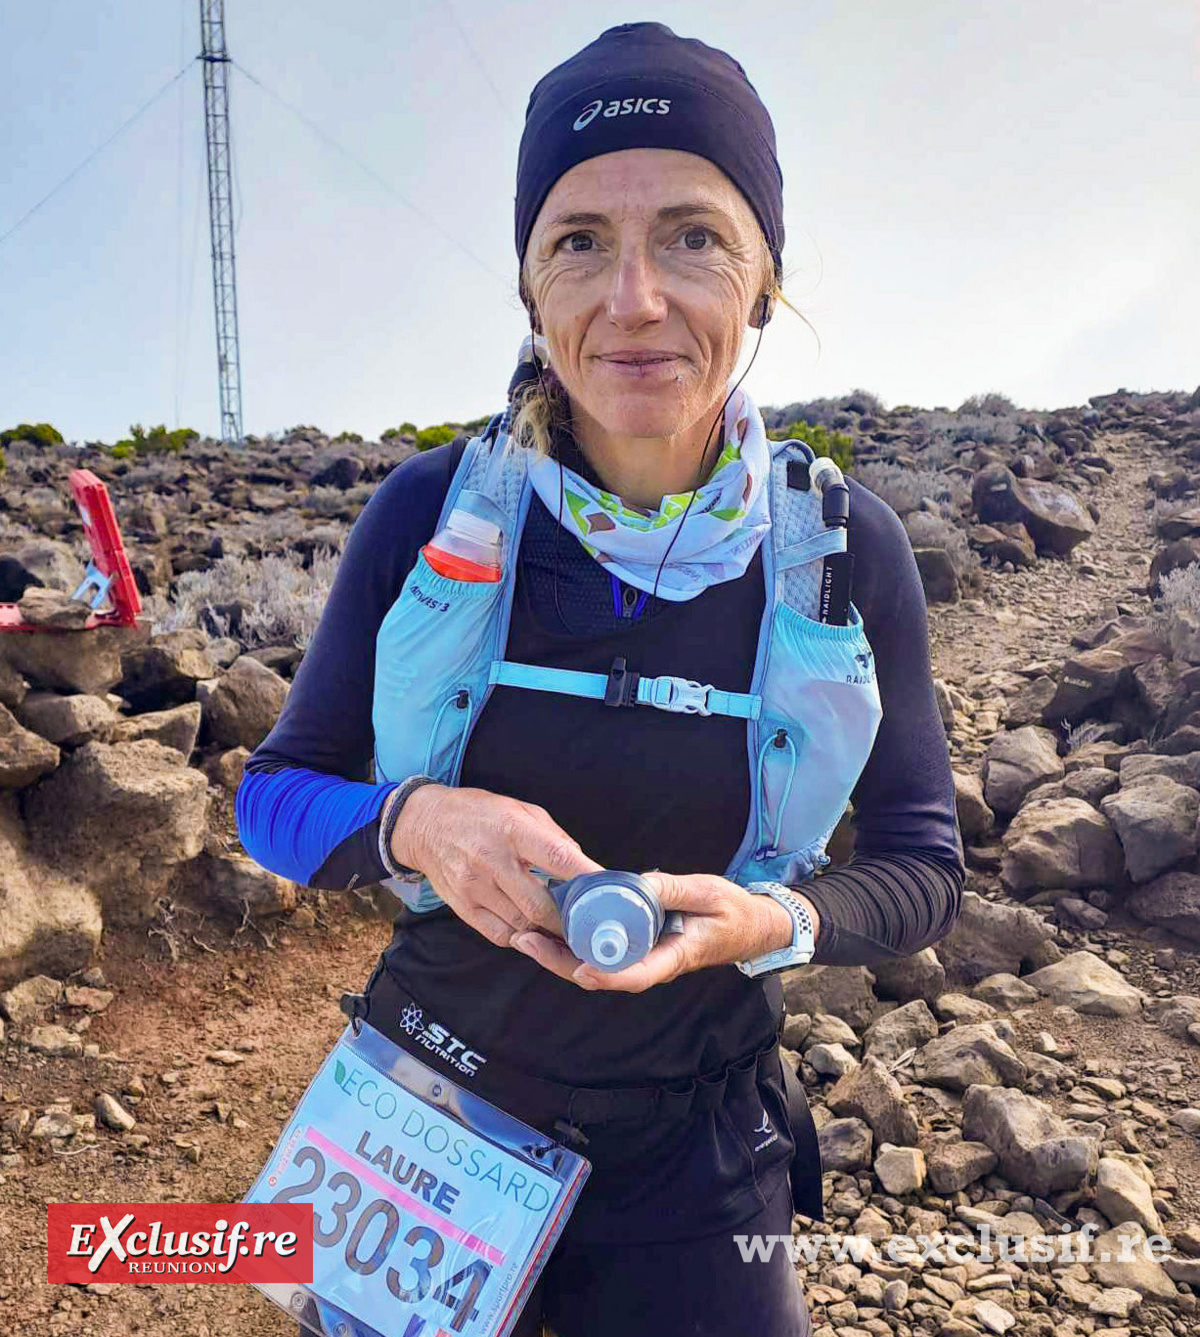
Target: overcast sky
x,y
978,197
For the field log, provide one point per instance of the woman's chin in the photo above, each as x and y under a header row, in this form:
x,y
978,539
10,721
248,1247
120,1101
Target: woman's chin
x,y
640,413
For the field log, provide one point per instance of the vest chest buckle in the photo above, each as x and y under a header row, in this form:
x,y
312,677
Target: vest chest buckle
x,y
681,696
676,694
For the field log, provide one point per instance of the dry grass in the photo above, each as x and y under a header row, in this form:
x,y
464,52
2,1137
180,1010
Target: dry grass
x,y
284,601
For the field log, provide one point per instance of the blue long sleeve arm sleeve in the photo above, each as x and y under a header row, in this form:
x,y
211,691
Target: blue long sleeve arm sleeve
x,y
319,830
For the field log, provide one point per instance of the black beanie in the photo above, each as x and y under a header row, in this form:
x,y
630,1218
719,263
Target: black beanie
x,y
638,86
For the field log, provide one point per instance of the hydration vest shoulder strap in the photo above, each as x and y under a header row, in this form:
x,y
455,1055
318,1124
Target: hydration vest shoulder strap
x,y
798,532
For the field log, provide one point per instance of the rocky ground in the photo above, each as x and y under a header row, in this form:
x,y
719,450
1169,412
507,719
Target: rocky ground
x,y
1037,1072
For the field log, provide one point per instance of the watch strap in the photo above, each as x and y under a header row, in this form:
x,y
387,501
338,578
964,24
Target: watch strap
x,y
800,950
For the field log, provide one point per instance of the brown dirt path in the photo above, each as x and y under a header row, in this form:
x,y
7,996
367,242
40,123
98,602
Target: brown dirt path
x,y
165,1019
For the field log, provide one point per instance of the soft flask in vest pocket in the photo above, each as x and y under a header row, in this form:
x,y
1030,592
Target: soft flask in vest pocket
x,y
431,674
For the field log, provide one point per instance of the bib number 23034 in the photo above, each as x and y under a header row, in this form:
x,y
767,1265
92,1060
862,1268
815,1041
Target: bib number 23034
x,y
365,1229
433,1211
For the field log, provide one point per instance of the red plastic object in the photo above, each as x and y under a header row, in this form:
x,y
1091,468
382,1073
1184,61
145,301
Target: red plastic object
x,y
450,564
108,574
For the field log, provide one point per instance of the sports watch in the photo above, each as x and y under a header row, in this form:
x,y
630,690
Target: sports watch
x,y
800,950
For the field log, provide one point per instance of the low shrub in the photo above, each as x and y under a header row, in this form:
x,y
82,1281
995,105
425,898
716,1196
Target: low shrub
x,y
836,412
157,441
1166,508
1180,592
332,500
950,429
863,402
40,433
904,489
995,404
405,429
1080,735
429,437
276,533
836,445
926,530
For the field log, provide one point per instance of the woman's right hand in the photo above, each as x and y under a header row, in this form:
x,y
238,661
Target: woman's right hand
x,y
476,849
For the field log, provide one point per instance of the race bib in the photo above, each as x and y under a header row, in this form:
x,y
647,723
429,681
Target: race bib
x,y
433,1211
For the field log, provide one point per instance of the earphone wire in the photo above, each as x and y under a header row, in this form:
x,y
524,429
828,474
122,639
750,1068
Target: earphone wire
x,y
720,418
558,526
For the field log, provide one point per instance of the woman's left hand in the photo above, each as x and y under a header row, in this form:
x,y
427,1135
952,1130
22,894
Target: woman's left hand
x,y
722,923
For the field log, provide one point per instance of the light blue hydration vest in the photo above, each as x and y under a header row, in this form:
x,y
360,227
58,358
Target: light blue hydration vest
x,y
811,713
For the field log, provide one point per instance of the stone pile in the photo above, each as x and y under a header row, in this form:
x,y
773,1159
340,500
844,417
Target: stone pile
x,y
1027,503
110,744
1089,791
1087,796
1015,483
181,513
1174,494
948,1117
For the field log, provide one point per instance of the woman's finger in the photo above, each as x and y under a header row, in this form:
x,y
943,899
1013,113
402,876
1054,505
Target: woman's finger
x,y
528,895
486,922
670,957
696,893
548,847
482,891
553,954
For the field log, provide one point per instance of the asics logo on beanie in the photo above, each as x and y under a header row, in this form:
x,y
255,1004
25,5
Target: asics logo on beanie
x,y
592,104
654,106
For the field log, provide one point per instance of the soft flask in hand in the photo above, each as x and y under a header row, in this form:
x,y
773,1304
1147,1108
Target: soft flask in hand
x,y
611,920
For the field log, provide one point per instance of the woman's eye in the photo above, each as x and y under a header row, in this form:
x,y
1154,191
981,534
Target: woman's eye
x,y
695,238
579,242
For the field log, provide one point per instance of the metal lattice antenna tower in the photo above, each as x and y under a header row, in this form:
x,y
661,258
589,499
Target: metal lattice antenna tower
x,y
215,60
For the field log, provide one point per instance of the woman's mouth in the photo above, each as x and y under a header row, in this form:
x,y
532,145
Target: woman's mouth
x,y
640,365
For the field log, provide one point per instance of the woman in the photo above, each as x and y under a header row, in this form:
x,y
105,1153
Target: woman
x,y
649,232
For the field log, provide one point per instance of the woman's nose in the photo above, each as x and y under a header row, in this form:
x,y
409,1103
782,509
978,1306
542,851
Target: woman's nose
x,y
636,296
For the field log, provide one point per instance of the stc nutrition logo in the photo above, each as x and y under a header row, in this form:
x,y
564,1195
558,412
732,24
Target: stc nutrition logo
x,y
652,106
180,1241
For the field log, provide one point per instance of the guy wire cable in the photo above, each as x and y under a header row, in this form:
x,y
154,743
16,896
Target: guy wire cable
x,y
475,56
428,219
94,153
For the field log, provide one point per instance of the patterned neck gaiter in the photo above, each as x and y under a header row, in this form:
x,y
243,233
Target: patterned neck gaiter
x,y
727,519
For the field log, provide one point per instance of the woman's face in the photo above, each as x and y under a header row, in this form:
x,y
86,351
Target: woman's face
x,y
644,267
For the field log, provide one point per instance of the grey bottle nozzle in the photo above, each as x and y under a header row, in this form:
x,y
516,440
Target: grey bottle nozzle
x,y
610,942
610,919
